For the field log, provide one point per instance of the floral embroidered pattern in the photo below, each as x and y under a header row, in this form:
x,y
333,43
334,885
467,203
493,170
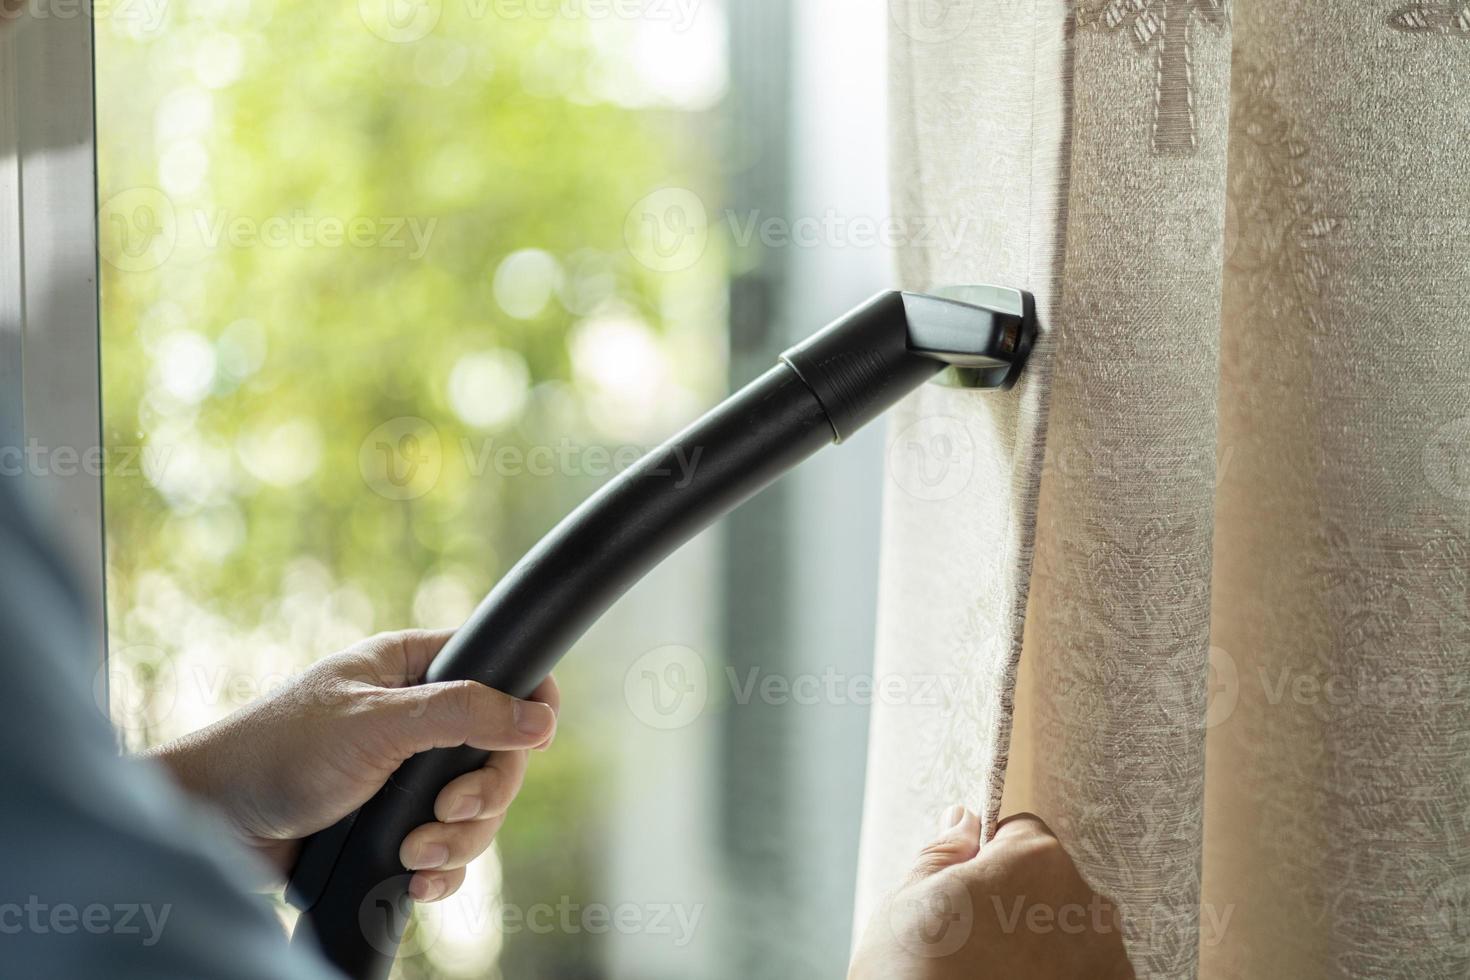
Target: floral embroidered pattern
x,y
1167,25
1452,18
1276,235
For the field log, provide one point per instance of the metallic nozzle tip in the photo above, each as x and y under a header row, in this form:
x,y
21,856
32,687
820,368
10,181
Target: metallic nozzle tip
x,y
985,336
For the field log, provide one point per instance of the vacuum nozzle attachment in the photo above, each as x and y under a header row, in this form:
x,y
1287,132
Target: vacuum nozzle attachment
x,y
348,882
976,336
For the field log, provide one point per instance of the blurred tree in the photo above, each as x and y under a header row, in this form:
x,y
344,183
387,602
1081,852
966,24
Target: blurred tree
x,y
349,256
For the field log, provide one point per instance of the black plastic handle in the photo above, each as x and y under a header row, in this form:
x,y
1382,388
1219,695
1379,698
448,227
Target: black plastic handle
x,y
351,888
349,881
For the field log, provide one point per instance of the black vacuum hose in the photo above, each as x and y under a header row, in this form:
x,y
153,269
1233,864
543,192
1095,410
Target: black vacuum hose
x,y
348,881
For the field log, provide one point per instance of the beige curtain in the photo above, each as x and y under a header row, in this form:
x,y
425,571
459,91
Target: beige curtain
x,y
1236,477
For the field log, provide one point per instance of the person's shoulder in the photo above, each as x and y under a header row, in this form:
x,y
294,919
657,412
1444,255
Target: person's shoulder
x,y
45,632
28,538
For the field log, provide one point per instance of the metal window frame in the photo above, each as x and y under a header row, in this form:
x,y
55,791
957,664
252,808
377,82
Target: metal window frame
x,y
800,585
50,361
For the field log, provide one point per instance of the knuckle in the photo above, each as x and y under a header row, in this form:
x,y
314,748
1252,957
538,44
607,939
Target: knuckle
x,y
939,852
463,842
1036,844
450,882
1049,850
416,836
450,836
381,642
368,701
459,697
498,790
394,706
322,687
332,676
406,640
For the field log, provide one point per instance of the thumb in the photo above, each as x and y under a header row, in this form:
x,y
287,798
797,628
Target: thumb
x,y
958,841
436,716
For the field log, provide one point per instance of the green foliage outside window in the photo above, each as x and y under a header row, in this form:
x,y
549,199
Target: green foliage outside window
x,y
366,303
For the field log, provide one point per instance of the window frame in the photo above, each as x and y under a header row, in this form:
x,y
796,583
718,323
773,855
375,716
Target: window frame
x,y
50,351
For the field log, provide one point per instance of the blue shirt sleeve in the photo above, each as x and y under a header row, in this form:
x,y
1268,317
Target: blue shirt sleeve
x,y
108,871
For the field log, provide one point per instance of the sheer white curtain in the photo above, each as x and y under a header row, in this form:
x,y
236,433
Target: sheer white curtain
x,y
1237,476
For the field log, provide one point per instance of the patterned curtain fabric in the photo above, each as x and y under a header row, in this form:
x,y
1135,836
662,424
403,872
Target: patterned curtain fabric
x,y
1236,477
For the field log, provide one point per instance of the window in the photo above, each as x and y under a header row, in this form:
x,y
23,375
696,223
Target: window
x,y
386,289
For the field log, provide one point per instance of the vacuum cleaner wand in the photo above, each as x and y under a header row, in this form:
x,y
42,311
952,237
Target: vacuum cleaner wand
x,y
348,882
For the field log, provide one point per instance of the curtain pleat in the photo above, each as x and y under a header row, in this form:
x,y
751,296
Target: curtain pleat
x,y
1338,817
1226,516
964,466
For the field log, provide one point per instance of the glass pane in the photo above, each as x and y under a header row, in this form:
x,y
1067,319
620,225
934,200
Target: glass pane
x,y
384,295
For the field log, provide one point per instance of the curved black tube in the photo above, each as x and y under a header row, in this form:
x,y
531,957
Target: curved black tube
x,y
349,883
540,608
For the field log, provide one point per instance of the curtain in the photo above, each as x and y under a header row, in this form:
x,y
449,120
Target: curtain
x,y
1197,591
